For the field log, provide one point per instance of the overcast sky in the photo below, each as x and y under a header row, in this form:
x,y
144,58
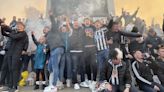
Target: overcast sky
x,y
148,8
8,8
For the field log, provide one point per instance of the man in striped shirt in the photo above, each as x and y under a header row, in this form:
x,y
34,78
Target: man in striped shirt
x,y
102,46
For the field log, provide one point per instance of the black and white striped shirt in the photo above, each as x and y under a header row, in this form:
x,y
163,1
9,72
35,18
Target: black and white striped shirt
x,y
100,38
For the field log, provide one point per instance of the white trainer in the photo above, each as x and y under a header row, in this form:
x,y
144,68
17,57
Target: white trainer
x,y
50,89
92,86
60,85
68,83
84,84
76,86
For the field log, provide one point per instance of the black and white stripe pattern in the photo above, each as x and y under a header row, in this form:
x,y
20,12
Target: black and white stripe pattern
x,y
114,79
100,38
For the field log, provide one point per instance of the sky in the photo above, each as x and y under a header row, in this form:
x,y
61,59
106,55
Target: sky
x,y
148,8
8,8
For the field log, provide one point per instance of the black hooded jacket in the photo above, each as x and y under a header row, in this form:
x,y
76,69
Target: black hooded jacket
x,y
19,41
160,72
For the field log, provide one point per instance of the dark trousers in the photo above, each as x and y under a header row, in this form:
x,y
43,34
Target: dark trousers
x,y
65,67
117,88
68,66
148,88
25,61
90,64
46,73
38,72
4,71
1,61
102,56
14,70
78,65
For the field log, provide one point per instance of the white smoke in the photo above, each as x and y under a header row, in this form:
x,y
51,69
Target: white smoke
x,y
88,7
36,24
80,7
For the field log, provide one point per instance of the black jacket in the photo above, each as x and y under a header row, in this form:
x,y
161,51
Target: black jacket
x,y
154,41
160,72
142,72
19,41
77,39
116,36
135,45
123,74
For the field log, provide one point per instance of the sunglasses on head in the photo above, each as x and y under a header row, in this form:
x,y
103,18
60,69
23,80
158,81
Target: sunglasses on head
x,y
161,46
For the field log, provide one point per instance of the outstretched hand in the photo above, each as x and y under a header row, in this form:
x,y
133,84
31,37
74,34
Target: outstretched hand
x,y
122,10
156,88
111,15
138,8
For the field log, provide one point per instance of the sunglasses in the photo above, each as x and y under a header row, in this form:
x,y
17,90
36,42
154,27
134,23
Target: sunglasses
x,y
161,46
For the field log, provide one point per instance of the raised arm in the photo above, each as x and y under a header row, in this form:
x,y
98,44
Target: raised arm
x,y
109,26
54,23
135,13
51,18
152,23
69,26
34,39
17,36
5,29
130,34
123,12
119,18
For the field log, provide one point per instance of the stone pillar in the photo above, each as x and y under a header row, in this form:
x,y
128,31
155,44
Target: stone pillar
x,y
111,7
48,7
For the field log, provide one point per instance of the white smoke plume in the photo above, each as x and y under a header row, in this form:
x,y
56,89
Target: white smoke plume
x,y
80,7
89,7
34,23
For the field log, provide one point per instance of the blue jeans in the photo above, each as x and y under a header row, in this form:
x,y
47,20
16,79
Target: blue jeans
x,y
65,63
102,56
148,88
53,64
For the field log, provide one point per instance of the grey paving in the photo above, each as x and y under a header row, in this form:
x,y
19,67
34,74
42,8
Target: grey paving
x,y
30,89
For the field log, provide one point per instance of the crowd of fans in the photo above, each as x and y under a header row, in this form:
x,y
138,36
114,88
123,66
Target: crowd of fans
x,y
108,55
